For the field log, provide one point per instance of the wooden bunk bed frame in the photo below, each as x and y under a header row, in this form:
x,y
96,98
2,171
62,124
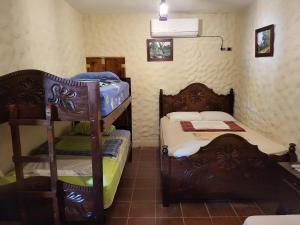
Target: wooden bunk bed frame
x,y
32,97
227,168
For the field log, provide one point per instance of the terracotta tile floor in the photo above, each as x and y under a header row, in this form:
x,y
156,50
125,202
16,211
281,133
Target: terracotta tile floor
x,y
138,200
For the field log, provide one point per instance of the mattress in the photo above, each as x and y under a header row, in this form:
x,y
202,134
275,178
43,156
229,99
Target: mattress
x,y
113,91
182,143
78,171
111,96
273,220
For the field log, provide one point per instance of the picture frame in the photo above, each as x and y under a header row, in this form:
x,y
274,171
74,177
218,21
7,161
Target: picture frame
x,y
264,41
159,50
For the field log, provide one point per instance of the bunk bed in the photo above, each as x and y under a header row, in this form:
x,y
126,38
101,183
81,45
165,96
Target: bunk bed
x,y
32,97
226,166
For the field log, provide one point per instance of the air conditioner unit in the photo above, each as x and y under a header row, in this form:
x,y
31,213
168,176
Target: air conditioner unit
x,y
175,28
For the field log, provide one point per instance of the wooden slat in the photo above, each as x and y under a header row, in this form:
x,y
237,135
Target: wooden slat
x,y
38,194
110,118
28,159
29,122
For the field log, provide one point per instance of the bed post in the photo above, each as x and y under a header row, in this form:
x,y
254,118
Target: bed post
x,y
129,120
161,93
231,101
292,153
17,154
97,167
165,175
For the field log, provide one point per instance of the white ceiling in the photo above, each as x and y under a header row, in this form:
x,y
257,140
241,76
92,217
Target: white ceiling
x,y
126,6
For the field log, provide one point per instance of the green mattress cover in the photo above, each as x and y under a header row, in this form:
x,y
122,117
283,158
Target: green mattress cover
x,y
112,167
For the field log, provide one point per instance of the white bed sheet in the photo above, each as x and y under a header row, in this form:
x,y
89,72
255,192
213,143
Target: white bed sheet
x,y
182,143
273,220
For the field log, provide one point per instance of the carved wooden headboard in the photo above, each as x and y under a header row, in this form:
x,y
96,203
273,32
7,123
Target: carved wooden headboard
x,y
196,97
101,64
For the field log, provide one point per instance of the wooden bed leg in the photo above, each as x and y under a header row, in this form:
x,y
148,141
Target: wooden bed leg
x,y
130,154
97,166
129,123
292,153
165,174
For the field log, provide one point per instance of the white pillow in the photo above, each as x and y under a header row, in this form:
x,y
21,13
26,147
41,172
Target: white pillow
x,y
184,116
190,147
216,116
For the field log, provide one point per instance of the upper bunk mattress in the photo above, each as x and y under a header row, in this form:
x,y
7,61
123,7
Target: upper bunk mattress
x,y
113,91
182,143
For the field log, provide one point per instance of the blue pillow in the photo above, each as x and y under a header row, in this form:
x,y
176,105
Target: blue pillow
x,y
100,76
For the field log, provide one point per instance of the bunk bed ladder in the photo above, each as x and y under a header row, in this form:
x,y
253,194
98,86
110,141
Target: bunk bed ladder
x,y
19,160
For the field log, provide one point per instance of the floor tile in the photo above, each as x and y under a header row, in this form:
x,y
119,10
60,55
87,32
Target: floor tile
x,y
124,194
144,195
130,171
172,211
243,218
220,209
169,221
246,208
146,164
141,221
142,209
145,183
148,156
226,221
148,173
116,221
158,195
136,155
119,209
197,221
126,183
158,184
194,210
149,149
268,207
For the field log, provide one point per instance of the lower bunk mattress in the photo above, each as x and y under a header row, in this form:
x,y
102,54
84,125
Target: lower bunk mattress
x,y
77,170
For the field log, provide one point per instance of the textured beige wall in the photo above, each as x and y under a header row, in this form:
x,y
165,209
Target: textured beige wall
x,y
195,59
268,89
35,34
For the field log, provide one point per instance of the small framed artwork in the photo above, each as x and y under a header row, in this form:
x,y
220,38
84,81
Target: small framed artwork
x,y
159,50
264,41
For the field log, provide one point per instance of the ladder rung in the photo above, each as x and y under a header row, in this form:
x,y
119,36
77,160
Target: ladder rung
x,y
28,159
29,122
37,194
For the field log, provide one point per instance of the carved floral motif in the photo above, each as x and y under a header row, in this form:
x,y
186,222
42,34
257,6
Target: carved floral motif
x,y
64,98
75,205
228,158
28,91
196,95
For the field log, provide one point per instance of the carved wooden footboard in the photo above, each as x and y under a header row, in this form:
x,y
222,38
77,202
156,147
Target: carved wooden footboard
x,y
227,168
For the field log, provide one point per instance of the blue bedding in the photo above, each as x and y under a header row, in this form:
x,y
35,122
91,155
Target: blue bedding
x,y
113,91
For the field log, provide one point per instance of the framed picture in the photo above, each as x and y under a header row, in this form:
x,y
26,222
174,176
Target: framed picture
x,y
264,41
159,50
